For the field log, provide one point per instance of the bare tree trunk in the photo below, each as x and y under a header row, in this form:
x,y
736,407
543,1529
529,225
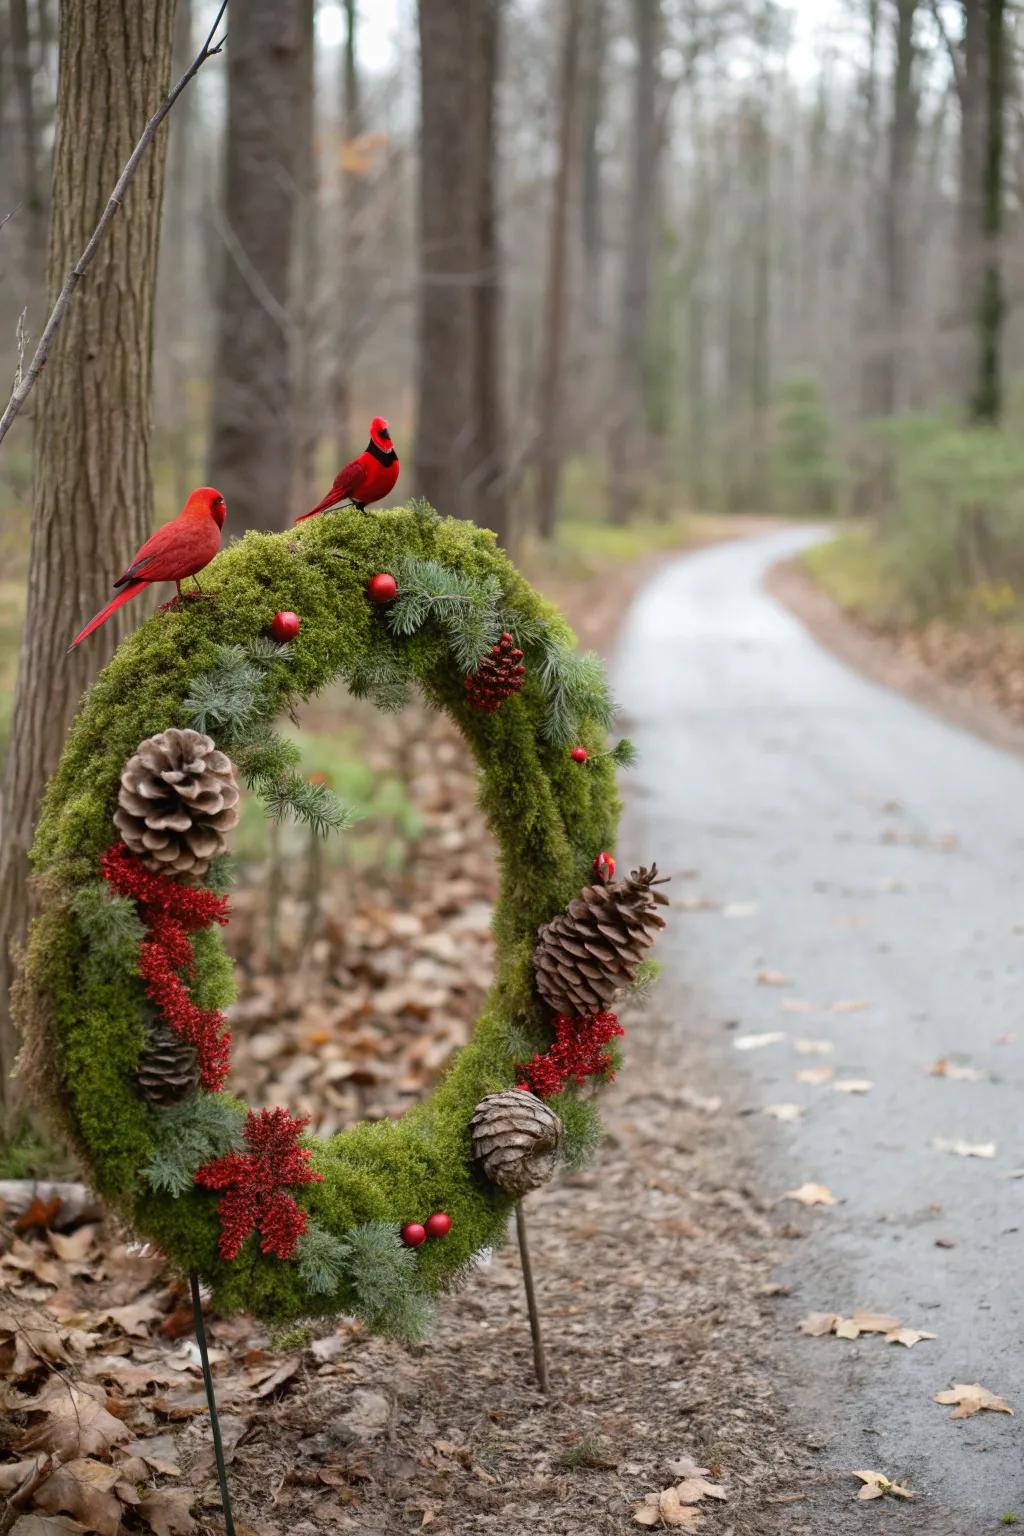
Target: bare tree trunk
x,y
351,252
490,490
252,450
902,142
177,272
987,403
307,393
449,239
550,451
31,187
93,495
627,437
592,200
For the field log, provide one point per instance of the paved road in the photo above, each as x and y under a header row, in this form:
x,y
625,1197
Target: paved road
x,y
871,853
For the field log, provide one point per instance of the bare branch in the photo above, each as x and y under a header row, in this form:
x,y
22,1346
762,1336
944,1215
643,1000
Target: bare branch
x,y
24,385
954,57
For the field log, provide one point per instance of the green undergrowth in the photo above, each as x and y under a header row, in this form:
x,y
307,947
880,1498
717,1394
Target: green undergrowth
x,y
549,815
944,535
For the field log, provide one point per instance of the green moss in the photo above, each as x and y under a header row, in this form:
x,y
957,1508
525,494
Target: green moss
x,y
550,817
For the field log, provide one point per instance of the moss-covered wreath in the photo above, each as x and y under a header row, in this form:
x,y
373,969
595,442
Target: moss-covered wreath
x,y
276,1222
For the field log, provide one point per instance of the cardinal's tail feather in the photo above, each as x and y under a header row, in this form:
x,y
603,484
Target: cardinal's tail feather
x,y
330,500
104,613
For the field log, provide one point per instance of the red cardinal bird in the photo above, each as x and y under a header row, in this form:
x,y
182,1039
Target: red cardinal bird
x,y
179,549
367,478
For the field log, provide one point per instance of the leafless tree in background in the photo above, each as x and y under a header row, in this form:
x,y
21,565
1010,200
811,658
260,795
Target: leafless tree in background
x,y
252,424
33,202
557,308
93,490
459,450
627,440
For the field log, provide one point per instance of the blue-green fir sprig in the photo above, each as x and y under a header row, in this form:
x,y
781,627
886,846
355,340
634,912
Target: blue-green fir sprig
x,y
203,1127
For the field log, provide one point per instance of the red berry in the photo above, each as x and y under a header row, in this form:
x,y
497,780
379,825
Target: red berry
x,y
413,1234
579,754
285,625
382,588
604,867
439,1225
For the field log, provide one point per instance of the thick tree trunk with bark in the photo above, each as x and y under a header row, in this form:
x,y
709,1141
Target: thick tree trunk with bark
x,y
990,310
551,413
886,389
489,498
626,464
351,248
449,249
252,449
307,392
459,452
30,180
93,498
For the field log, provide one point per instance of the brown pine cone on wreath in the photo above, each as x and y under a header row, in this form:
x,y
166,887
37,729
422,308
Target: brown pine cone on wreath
x,y
589,953
516,1138
178,798
168,1068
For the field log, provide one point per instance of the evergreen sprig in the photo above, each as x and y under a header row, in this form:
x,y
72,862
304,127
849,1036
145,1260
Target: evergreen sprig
x,y
575,686
465,607
381,1272
624,754
321,1260
381,681
204,1127
317,805
228,695
581,1131
110,924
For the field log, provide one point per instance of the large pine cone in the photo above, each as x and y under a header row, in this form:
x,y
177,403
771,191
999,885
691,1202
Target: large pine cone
x,y
168,1069
589,953
516,1139
178,798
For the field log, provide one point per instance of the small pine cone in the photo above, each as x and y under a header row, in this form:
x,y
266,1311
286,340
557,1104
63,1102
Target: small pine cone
x,y
178,798
168,1069
499,675
515,1140
587,955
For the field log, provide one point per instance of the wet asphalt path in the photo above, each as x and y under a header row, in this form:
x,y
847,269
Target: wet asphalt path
x,y
872,854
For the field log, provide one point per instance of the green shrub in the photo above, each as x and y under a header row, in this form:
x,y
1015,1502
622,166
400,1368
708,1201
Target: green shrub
x,y
805,477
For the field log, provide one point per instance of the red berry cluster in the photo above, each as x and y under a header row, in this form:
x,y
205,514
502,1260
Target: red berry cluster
x,y
253,1198
414,1233
579,1052
498,676
171,912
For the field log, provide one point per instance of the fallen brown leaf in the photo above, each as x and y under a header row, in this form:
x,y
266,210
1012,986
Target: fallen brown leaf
x,y
772,979
866,1322
167,1511
74,1421
818,1324
811,1194
815,1076
877,1486
972,1399
907,1336
852,1085
82,1488
756,1042
850,1005
787,1113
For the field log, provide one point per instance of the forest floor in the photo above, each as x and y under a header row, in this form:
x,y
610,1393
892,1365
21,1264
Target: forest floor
x,y
653,1265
